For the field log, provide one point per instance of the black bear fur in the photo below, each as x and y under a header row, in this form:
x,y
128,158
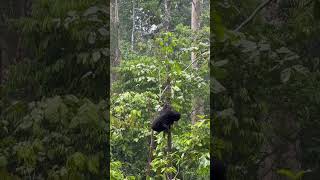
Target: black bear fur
x,y
165,120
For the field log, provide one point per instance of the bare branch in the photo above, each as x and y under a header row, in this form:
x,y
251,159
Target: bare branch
x,y
163,91
197,59
254,13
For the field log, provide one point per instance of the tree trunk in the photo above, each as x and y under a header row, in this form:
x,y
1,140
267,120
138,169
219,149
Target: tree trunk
x,y
115,37
167,14
133,23
195,26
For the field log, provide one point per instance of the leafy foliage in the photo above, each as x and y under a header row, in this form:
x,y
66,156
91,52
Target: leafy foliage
x,y
53,102
138,96
261,75
68,52
45,141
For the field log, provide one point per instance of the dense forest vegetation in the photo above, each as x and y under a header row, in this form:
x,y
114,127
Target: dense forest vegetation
x,y
54,89
81,82
160,55
265,78
54,71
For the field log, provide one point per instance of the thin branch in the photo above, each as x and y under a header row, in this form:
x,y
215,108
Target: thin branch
x,y
163,91
178,170
197,59
254,13
191,64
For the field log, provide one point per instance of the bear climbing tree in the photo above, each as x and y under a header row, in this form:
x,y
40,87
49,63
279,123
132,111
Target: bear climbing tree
x,y
164,121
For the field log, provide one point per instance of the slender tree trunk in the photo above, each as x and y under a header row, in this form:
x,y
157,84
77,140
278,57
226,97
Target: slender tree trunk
x,y
117,26
133,23
195,26
115,37
167,14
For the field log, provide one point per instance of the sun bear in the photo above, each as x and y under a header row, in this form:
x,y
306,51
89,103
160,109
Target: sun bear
x,y
165,120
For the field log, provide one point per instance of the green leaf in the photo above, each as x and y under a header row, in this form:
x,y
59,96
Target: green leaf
x,y
103,31
105,52
264,47
292,57
76,161
285,75
82,58
217,87
220,63
301,69
92,37
88,114
96,56
283,50
26,124
91,10
93,164
248,46
56,110
86,75
177,68
286,173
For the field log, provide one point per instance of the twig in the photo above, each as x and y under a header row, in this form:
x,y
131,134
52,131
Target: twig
x,y
163,91
191,64
197,59
254,13
178,170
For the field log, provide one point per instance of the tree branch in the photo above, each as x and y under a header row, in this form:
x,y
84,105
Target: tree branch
x,y
254,13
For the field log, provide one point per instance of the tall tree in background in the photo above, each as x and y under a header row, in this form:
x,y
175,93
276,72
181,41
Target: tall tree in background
x,y
133,23
115,36
167,14
195,26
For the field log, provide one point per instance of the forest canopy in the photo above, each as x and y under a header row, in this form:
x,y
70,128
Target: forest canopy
x,y
160,55
159,89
